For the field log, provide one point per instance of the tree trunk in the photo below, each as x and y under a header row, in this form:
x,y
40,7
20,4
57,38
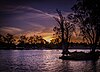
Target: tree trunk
x,y
96,41
67,42
63,43
93,49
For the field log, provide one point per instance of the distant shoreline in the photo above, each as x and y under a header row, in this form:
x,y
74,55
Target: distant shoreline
x,y
87,48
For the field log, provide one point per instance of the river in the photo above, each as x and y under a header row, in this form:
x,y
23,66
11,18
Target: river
x,y
42,61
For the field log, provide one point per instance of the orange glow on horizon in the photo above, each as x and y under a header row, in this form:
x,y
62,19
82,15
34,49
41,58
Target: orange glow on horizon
x,y
48,38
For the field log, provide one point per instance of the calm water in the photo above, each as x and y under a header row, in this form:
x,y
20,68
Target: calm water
x,y
42,61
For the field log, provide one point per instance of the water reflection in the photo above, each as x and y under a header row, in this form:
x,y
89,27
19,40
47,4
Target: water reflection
x,y
79,66
94,66
42,61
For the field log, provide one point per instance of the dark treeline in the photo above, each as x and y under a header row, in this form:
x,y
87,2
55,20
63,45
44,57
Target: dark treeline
x,y
10,41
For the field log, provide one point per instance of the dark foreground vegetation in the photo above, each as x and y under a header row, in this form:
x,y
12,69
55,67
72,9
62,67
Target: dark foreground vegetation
x,y
87,17
81,56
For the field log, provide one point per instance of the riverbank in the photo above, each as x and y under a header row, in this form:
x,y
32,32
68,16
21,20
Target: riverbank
x,y
81,56
42,48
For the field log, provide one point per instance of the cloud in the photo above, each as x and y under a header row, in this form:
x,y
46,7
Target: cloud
x,y
30,21
11,9
11,30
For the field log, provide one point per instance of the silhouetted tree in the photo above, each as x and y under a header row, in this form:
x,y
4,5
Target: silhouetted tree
x,y
87,13
9,40
2,44
60,29
69,29
22,41
31,40
40,41
56,41
1,38
64,31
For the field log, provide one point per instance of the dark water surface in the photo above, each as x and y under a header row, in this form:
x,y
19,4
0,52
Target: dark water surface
x,y
42,61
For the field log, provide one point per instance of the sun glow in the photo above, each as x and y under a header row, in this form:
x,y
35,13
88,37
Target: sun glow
x,y
48,38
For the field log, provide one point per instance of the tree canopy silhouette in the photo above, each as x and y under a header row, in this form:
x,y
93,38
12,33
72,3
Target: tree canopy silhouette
x,y
87,13
64,31
60,30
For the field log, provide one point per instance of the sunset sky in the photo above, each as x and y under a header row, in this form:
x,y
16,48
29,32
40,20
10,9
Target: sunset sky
x,y
31,17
